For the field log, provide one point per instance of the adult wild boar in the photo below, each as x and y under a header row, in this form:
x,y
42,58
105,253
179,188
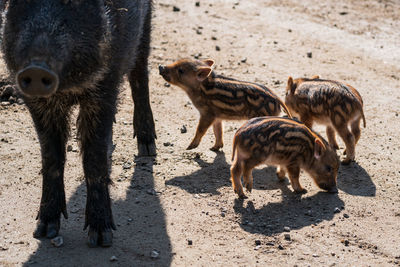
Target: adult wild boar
x,y
67,52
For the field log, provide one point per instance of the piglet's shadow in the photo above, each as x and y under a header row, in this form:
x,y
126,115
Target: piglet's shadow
x,y
355,180
208,179
293,211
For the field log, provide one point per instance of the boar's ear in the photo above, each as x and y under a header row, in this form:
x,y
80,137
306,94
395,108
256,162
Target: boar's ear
x,y
315,77
209,62
290,85
319,148
203,73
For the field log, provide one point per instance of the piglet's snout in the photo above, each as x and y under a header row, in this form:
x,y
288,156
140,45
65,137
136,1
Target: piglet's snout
x,y
37,80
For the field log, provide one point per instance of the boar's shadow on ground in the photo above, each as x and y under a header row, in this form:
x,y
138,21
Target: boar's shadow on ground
x,y
293,211
208,179
355,180
141,238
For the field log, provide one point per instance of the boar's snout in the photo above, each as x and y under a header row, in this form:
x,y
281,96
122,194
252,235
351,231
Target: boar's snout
x,y
161,69
37,80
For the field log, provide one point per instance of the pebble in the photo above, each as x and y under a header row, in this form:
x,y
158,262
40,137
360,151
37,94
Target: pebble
x,y
257,247
155,254
213,38
168,144
336,210
57,241
309,54
176,9
222,214
244,60
258,242
69,148
280,247
197,55
190,242
113,258
197,3
167,85
286,229
151,191
5,103
217,48
127,165
183,129
346,215
287,237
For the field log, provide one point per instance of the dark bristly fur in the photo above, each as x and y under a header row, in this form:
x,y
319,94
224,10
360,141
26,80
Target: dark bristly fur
x,y
286,143
332,103
89,45
220,98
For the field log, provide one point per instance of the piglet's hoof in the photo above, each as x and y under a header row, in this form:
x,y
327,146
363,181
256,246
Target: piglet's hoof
x,y
347,161
216,148
101,238
301,191
192,146
49,230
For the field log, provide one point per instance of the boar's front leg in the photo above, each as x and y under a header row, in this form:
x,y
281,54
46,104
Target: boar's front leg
x,y
143,122
95,123
51,123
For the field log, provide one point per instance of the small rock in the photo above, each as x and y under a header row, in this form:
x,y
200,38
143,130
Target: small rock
x,y
168,144
190,242
198,32
197,3
222,214
315,255
346,242
130,220
113,258
258,242
346,215
151,191
257,247
69,148
286,229
244,60
127,165
176,9
270,244
280,247
309,54
57,241
5,103
167,85
287,237
197,55
275,42
155,254
343,13
336,210
213,38
183,129
217,48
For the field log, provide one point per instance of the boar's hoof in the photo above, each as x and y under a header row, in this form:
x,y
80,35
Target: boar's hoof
x,y
102,238
49,230
243,196
147,149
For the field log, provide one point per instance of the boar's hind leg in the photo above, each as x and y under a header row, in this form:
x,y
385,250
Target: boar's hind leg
x,y
51,124
143,122
95,130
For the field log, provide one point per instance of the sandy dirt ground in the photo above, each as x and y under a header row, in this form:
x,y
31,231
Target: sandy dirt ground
x,y
179,209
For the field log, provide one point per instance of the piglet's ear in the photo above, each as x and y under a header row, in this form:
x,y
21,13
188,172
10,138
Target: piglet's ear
x,y
290,85
209,62
315,77
203,73
319,148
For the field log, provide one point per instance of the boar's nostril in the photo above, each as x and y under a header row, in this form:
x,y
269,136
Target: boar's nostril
x,y
161,69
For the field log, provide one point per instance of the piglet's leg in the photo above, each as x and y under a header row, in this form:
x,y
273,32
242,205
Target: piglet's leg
x,y
307,120
219,143
248,178
204,123
349,141
294,173
236,174
280,172
330,132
